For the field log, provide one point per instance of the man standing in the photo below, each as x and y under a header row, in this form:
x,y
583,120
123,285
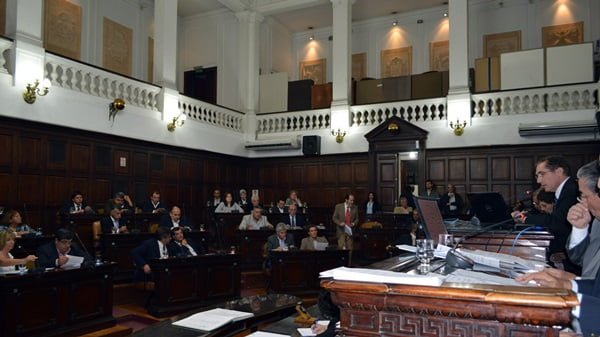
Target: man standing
x,y
345,216
113,224
583,245
553,174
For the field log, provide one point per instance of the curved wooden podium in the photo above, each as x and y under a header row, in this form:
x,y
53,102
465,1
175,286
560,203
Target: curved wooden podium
x,y
376,309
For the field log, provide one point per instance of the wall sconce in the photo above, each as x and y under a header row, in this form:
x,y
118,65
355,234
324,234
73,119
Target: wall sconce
x,y
29,95
177,121
339,135
115,106
458,127
393,128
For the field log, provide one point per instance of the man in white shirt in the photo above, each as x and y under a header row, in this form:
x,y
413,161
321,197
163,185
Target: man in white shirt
x,y
255,220
113,223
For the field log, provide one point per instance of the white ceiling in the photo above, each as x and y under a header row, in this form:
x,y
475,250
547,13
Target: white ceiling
x,y
298,20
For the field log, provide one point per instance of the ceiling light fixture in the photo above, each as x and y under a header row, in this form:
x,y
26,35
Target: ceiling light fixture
x,y
312,36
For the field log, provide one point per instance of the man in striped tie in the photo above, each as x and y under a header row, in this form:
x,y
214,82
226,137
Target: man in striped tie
x,y
345,216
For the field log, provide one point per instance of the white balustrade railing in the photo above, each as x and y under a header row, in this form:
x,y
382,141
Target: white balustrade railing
x,y
90,80
296,121
525,101
4,46
211,114
433,109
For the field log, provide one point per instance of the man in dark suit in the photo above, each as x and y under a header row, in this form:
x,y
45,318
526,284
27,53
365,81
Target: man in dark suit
x,y
281,240
182,246
553,174
120,201
154,248
345,217
113,223
244,202
76,205
154,204
174,219
279,208
293,219
56,254
451,203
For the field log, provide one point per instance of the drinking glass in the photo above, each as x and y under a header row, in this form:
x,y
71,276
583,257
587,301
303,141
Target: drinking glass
x,y
446,240
424,253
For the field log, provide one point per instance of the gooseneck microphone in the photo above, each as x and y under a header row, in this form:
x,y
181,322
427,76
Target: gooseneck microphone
x,y
457,260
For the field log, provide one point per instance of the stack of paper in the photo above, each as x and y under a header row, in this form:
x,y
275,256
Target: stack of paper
x,y
501,261
384,276
212,319
473,277
266,334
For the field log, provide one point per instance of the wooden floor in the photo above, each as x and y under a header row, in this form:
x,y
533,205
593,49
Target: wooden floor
x,y
131,315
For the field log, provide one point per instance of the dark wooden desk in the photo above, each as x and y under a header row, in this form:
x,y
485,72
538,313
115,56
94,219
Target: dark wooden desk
x,y
377,309
530,245
297,272
184,283
266,309
56,303
118,247
251,245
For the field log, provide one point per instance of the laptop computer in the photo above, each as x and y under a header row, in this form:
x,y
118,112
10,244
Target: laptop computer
x,y
431,217
489,207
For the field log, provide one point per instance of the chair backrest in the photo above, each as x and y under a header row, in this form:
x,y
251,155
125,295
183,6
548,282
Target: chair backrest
x,y
96,230
153,228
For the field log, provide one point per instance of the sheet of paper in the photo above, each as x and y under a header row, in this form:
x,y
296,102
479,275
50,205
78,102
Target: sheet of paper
x,y
266,334
328,273
473,277
306,332
384,276
212,319
73,262
348,230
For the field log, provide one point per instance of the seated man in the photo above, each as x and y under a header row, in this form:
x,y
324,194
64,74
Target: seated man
x,y
113,223
154,248
56,254
154,205
120,201
310,242
183,247
174,219
243,202
281,240
279,208
255,220
76,205
293,219
545,202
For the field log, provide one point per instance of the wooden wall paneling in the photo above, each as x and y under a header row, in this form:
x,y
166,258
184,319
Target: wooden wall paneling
x,y
342,191
80,155
386,196
56,154
186,170
457,170
101,191
284,176
123,184
437,170
7,188
524,167
171,192
30,189
30,153
141,192
478,169
361,173
313,175
344,174
171,172
576,160
386,189
505,190
140,165
55,191
298,176
477,188
103,159
329,174
79,184
501,168
211,175
266,176
156,164
521,192
121,162
326,198
6,144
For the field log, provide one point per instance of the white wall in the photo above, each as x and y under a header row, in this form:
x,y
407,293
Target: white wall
x,y
275,48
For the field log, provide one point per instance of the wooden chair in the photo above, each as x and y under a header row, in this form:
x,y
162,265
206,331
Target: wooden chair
x,y
153,228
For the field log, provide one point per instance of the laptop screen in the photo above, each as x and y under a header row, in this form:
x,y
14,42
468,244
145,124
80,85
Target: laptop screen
x,y
433,223
489,207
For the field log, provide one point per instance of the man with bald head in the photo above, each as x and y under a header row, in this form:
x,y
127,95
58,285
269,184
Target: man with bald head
x,y
174,219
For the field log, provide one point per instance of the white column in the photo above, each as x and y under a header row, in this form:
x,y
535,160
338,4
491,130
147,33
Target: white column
x,y
459,96
341,64
26,30
248,62
165,43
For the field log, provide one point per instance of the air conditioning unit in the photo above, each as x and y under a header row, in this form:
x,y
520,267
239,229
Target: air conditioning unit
x,y
559,128
274,144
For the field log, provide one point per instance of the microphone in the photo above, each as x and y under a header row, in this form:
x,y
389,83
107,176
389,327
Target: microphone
x,y
457,260
84,263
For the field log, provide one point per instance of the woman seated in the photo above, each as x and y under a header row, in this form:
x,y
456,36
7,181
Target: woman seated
x,y
7,262
12,220
228,206
293,199
403,208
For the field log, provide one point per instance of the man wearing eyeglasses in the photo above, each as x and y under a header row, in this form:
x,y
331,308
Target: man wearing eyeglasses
x,y
553,175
